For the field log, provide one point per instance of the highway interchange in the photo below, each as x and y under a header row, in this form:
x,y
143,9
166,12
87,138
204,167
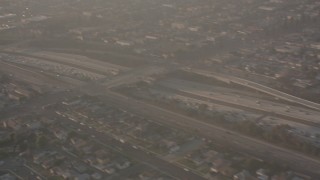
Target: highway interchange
x,y
233,140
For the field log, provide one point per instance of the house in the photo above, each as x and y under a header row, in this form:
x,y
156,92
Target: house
x,y
262,174
109,169
3,100
228,171
146,175
78,143
105,168
60,134
243,175
7,177
102,156
13,124
210,154
198,160
90,160
96,176
34,125
171,145
297,178
55,170
123,43
174,148
15,96
82,177
48,163
315,46
43,156
122,163
289,175
3,136
219,164
23,92
302,83
79,167
67,173
87,149
151,37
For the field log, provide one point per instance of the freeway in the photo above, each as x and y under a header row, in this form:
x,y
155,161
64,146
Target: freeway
x,y
128,76
134,76
87,66
258,87
31,76
237,141
248,103
248,108
36,104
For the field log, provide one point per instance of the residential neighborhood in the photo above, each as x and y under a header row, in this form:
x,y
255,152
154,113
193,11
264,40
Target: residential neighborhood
x,y
159,90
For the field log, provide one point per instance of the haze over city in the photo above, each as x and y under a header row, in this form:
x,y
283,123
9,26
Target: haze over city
x,y
160,90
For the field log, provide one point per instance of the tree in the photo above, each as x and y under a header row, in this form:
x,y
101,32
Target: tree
x,y
203,108
41,141
13,137
4,78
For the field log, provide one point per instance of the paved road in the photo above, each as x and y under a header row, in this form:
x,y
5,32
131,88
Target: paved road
x,y
259,87
137,154
102,69
237,141
16,167
134,76
258,109
31,76
36,104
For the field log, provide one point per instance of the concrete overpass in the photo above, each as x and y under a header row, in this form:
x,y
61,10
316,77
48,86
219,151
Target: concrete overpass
x,y
258,87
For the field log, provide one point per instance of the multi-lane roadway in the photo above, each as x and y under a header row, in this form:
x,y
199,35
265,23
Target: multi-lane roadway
x,y
258,87
221,96
237,141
